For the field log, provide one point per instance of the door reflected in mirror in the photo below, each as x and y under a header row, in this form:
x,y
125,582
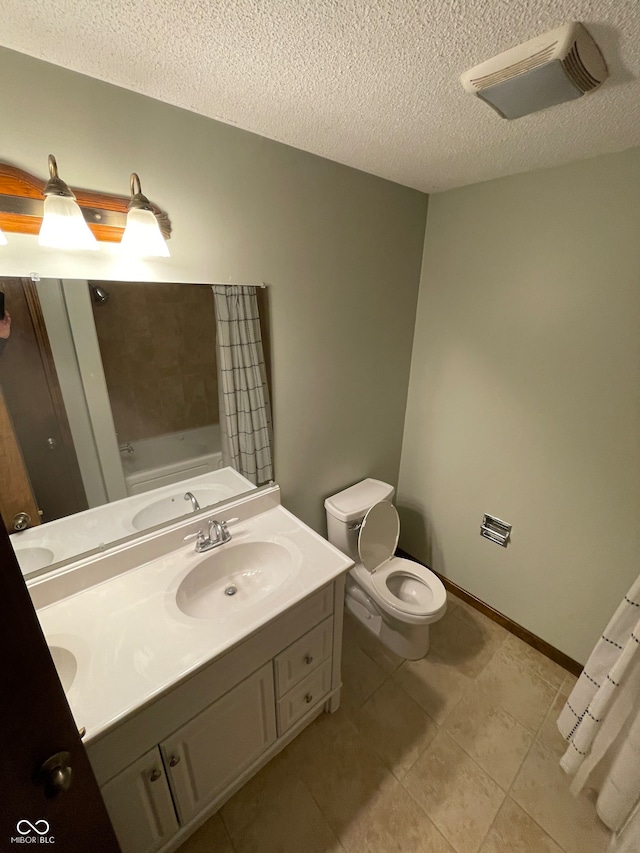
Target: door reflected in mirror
x,y
112,390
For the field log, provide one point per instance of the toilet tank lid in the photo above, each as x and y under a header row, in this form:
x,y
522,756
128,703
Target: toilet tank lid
x,y
351,504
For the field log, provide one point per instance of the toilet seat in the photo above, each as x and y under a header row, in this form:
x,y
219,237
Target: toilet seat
x,y
405,589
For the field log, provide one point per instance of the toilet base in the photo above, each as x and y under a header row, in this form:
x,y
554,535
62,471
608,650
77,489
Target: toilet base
x,y
410,642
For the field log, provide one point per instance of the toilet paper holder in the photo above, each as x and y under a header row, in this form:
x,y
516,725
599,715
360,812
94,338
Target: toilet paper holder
x,y
495,530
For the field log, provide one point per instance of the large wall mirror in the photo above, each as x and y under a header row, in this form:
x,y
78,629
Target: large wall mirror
x,y
125,406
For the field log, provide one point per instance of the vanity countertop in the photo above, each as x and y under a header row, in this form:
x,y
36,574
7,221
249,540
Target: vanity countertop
x,y
132,642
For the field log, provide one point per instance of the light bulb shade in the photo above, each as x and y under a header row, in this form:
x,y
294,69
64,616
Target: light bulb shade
x,y
142,236
64,226
3,239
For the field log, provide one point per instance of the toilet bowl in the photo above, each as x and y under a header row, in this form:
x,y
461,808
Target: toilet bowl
x,y
394,598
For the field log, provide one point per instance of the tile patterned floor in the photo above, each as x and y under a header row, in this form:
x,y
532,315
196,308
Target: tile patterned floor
x,y
455,753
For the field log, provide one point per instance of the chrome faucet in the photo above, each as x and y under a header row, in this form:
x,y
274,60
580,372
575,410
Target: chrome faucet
x,y
222,533
126,448
215,527
189,496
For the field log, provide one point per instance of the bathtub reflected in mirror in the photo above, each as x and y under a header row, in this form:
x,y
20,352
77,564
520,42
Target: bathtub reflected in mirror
x,y
110,391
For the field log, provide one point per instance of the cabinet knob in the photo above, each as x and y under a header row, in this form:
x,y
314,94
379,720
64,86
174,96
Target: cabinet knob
x,y
308,698
308,659
154,775
175,759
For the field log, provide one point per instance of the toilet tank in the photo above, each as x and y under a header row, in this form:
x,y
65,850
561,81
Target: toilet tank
x,y
346,509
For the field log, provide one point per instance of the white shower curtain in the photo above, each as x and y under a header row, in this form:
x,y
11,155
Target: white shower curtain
x,y
245,413
601,722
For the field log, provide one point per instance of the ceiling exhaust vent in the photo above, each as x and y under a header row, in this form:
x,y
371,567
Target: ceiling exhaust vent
x,y
559,66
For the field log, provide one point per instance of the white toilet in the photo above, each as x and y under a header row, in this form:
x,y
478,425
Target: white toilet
x,y
396,599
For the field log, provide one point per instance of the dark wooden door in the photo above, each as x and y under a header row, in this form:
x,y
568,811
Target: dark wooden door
x,y
16,495
34,401
36,723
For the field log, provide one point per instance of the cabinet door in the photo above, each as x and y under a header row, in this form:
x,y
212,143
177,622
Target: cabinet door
x,y
140,805
208,753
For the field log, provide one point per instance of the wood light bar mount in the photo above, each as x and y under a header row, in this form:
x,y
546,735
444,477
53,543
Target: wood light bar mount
x,y
21,204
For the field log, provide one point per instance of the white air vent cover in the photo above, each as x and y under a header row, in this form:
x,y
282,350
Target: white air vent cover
x,y
559,66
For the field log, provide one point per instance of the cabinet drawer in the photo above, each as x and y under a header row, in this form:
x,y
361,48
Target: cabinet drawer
x,y
303,697
303,656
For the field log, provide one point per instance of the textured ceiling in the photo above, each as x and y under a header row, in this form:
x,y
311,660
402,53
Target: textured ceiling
x,y
370,84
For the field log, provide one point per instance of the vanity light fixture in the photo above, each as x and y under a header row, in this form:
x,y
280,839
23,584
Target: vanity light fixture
x,y
142,235
63,225
22,206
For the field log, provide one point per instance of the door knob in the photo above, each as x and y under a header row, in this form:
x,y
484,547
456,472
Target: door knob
x,y
21,520
56,774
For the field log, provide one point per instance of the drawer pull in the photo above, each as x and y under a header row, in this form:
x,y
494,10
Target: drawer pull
x,y
175,759
308,659
308,698
155,775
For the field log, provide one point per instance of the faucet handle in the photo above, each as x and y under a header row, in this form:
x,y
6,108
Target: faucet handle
x,y
224,528
199,535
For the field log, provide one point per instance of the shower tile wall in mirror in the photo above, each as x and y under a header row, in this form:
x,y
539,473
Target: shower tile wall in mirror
x,y
109,395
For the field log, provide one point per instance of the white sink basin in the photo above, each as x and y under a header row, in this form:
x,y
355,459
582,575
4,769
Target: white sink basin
x,y
31,559
234,577
66,665
175,506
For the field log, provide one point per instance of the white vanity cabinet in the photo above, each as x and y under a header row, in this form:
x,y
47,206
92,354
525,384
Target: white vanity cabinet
x,y
205,756
140,806
189,769
167,768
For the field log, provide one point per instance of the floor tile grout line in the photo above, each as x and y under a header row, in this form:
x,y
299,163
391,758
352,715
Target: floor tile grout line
x,y
517,804
508,796
477,763
482,770
534,734
531,745
374,752
424,812
406,694
531,671
521,805
226,830
320,809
